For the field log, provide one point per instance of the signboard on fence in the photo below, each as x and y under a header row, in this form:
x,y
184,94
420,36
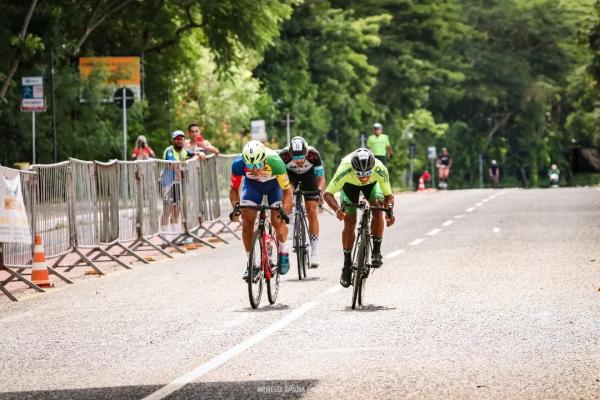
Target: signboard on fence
x,y
118,72
258,131
14,227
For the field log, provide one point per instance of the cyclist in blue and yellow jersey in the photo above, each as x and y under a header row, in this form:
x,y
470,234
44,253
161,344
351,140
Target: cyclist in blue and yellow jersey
x,y
360,172
304,164
264,174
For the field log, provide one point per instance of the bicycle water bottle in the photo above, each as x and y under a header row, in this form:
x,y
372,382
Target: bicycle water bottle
x,y
271,249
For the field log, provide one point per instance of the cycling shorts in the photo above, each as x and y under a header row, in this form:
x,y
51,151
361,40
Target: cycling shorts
x,y
372,192
253,192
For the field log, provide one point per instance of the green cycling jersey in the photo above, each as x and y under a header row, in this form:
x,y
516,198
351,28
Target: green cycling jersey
x,y
345,174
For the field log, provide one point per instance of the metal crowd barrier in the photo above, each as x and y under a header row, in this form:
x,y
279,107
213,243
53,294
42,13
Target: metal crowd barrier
x,y
81,205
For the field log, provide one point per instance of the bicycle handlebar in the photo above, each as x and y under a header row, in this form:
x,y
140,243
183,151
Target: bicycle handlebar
x,y
238,207
364,204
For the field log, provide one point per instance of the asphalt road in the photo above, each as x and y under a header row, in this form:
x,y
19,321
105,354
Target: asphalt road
x,y
483,294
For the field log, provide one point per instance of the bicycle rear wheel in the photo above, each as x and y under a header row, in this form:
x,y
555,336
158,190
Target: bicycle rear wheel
x,y
255,271
273,282
357,281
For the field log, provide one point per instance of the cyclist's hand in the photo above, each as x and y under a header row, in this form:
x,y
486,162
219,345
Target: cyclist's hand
x,y
340,214
389,220
288,207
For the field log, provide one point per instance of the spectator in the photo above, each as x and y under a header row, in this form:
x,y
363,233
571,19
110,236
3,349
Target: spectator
x,y
379,144
494,172
197,144
444,162
554,175
171,181
142,150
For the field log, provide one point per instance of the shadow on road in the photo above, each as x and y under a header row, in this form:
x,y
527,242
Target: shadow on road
x,y
369,308
288,389
265,308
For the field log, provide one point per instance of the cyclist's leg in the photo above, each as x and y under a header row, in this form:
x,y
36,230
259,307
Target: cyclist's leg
x,y
349,193
274,196
377,224
309,183
251,195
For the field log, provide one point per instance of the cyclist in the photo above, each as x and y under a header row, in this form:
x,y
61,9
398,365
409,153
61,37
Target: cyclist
x,y
304,164
359,172
265,175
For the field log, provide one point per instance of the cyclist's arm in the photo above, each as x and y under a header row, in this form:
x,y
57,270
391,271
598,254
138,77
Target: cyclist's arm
x,y
237,173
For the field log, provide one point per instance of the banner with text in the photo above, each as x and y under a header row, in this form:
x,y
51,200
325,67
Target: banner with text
x,y
14,227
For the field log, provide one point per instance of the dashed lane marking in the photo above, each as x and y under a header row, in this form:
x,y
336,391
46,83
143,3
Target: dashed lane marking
x,y
478,204
459,216
448,223
496,229
416,242
470,209
395,253
433,232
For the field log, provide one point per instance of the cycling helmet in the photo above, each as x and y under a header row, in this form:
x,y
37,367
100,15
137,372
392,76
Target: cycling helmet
x,y
363,160
254,152
298,146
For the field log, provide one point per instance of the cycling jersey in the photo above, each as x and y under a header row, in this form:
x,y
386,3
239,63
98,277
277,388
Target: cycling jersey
x,y
312,162
445,160
345,175
274,169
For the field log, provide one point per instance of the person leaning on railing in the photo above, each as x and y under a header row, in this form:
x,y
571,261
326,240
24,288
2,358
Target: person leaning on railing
x,y
197,144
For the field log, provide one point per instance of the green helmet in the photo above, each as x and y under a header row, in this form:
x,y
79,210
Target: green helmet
x,y
254,152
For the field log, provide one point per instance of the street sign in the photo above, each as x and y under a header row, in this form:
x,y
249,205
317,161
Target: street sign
x,y
258,131
431,153
32,94
118,97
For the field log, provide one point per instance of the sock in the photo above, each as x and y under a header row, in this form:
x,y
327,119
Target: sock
x,y
347,256
314,243
283,247
377,244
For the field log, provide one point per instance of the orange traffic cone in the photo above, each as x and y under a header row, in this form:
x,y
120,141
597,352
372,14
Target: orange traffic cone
x,y
39,268
421,185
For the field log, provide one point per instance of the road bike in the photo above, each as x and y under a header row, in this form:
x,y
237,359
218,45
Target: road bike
x,y
361,253
300,242
264,255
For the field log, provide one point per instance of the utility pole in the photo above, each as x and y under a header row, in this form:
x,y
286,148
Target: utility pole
x,y
54,145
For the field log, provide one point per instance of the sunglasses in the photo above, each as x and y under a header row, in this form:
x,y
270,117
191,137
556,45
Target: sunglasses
x,y
363,174
257,165
300,157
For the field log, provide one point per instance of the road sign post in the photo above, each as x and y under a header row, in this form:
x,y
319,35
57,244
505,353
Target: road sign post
x,y
32,99
432,156
124,98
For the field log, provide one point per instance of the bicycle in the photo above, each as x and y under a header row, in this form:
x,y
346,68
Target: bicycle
x,y
300,244
361,253
264,255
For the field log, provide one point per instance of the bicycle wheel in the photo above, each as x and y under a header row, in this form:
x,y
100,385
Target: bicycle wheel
x,y
365,272
357,281
273,282
299,241
255,271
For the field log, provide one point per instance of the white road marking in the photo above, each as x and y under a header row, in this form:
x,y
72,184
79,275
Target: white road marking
x,y
416,242
333,289
232,352
478,204
485,200
395,253
459,216
470,209
434,232
496,229
448,223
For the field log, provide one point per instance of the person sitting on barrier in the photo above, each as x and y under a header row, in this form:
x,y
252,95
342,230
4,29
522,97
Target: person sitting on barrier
x,y
171,181
264,174
142,150
304,164
197,144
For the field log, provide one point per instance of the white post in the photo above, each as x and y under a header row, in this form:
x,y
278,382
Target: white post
x,y
33,136
124,126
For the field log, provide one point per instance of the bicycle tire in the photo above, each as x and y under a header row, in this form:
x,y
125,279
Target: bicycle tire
x,y
365,273
306,258
358,274
299,245
273,282
256,275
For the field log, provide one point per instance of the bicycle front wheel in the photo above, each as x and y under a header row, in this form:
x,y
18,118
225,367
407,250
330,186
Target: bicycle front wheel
x,y
300,239
361,264
255,271
273,281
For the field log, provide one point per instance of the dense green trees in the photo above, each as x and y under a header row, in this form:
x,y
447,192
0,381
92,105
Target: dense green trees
x,y
513,80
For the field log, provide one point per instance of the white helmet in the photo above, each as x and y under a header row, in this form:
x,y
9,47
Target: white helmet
x,y
254,152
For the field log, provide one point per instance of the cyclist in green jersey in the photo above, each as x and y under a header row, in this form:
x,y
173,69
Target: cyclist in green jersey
x,y
360,172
